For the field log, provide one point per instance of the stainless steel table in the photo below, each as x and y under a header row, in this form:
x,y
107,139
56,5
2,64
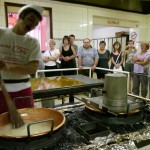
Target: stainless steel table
x,y
88,84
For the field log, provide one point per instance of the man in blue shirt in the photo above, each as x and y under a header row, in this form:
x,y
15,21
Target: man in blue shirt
x,y
87,57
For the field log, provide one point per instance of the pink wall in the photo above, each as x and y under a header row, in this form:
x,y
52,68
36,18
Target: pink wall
x,y
12,18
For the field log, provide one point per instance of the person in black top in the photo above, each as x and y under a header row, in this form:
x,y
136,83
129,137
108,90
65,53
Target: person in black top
x,y
104,57
68,55
117,56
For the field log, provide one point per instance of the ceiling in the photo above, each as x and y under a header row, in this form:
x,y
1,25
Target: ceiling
x,y
136,6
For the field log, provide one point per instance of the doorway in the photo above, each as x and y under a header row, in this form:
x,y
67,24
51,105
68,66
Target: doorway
x,y
110,34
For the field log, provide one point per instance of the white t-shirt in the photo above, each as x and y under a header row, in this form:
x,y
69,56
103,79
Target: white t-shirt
x,y
51,53
19,50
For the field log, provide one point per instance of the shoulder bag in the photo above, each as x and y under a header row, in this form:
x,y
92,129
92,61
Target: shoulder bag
x,y
120,68
58,65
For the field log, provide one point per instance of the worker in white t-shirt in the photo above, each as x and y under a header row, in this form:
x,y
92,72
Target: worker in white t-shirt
x,y
19,57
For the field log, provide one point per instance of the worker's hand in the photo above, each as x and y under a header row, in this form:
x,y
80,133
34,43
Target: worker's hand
x,y
127,47
140,59
93,67
67,58
46,59
64,58
15,117
136,59
81,67
2,64
117,66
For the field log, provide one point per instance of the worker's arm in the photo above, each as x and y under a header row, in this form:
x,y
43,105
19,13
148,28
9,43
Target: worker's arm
x,y
80,62
26,69
14,115
95,64
143,63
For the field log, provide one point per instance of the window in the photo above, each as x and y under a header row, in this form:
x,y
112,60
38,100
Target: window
x,y
43,32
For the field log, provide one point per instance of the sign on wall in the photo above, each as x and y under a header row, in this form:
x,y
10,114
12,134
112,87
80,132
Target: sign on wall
x,y
134,34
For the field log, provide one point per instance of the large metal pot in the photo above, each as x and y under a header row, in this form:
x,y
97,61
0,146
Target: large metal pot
x,y
38,121
115,96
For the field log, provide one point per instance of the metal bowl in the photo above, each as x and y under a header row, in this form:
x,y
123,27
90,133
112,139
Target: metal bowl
x,y
38,121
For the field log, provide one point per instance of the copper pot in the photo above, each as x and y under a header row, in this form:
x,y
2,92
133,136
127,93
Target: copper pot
x,y
38,121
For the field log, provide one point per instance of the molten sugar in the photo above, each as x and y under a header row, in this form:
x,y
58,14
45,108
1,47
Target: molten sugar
x,y
39,128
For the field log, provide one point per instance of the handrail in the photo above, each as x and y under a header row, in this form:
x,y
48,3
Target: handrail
x,y
99,68
139,97
124,72
66,69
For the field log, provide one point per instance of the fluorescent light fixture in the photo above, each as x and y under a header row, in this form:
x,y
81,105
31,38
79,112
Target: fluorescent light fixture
x,y
85,24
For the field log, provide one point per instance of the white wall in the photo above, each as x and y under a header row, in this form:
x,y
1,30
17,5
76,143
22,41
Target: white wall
x,y
148,24
125,19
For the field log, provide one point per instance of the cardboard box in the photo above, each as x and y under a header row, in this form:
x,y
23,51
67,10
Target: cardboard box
x,y
119,34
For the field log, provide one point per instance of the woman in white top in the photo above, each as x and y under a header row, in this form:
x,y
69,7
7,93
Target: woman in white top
x,y
50,57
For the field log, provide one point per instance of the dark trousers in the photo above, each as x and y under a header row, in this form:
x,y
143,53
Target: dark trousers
x,y
70,64
137,80
52,73
85,72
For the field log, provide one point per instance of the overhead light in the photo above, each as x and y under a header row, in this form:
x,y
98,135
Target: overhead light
x,y
83,25
131,30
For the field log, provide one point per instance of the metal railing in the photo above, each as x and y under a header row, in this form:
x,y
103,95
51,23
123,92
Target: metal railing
x,y
66,69
124,72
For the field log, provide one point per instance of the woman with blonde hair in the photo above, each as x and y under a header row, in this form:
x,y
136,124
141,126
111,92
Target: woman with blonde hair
x,y
50,57
141,59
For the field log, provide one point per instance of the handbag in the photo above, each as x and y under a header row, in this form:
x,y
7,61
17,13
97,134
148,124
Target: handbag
x,y
117,69
58,65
